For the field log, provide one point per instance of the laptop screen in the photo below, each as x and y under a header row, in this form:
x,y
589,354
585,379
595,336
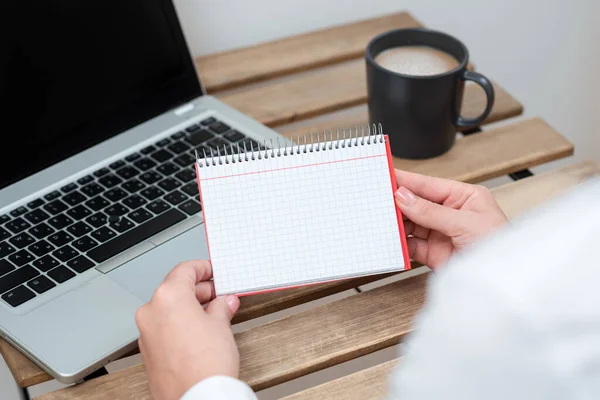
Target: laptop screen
x,y
74,73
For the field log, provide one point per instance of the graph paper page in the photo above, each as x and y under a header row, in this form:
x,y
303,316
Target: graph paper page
x,y
304,218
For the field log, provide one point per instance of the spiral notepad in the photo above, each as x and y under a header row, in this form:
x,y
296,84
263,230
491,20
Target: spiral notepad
x,y
286,216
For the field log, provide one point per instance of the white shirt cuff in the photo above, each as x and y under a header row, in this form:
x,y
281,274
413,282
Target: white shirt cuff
x,y
220,388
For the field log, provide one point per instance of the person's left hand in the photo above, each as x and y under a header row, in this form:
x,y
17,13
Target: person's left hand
x,y
182,342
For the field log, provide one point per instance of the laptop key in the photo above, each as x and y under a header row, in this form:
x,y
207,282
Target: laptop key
x,y
41,231
79,229
41,284
218,127
178,147
18,296
186,175
122,225
190,207
116,209
85,180
36,216
162,155
103,234
175,197
5,267
199,137
35,204
101,172
17,277
55,207
41,248
151,177
134,201
97,220
68,188
52,195
208,121
163,142
184,160
167,169
92,189
73,198
234,135
65,253
97,203
178,135
117,164
59,222
80,264
79,212
145,164
158,206
4,234
220,144
6,249
127,172
60,238
133,186
133,157
110,181
147,150
140,215
84,244
191,189
169,184
19,211
136,235
21,258
45,263
17,225
4,218
193,128
61,274
115,195
21,240
152,193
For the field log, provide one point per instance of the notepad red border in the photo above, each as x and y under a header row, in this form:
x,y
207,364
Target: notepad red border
x,y
403,242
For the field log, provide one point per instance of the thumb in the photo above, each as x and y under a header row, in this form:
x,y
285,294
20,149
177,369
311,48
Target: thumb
x,y
426,213
223,307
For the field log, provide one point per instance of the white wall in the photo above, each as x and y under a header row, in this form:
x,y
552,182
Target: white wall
x,y
545,53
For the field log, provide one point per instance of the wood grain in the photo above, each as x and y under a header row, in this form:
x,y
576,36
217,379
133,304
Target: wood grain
x,y
368,384
335,332
474,158
334,88
294,54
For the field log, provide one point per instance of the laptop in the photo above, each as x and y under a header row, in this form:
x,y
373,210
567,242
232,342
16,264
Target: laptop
x,y
102,112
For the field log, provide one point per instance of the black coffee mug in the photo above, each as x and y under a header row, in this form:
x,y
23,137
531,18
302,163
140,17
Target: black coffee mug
x,y
421,113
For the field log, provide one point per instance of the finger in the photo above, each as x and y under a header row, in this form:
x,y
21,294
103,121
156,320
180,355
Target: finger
x,y
189,273
418,249
223,307
205,291
431,188
428,214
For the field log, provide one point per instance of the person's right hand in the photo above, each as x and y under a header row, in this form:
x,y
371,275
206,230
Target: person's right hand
x,y
443,216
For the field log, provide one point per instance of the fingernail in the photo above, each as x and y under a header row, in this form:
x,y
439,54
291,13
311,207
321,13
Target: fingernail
x,y
233,302
405,196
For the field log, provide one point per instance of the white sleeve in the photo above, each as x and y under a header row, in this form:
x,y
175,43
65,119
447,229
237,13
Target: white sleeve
x,y
516,317
220,388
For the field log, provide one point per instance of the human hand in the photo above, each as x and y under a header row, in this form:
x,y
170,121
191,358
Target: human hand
x,y
444,216
182,342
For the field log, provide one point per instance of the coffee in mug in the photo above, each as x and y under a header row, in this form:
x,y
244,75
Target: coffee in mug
x,y
416,60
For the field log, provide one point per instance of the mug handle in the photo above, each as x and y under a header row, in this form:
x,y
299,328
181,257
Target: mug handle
x,y
489,92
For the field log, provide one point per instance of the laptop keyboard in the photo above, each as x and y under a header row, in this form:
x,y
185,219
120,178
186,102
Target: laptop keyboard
x,y
86,222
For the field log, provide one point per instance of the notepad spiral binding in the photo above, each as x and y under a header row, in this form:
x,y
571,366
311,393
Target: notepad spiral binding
x,y
340,139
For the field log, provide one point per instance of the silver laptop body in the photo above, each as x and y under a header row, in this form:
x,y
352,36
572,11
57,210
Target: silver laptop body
x,y
69,316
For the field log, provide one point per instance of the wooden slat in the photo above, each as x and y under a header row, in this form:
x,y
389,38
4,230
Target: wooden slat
x,y
368,384
294,54
335,332
474,158
334,88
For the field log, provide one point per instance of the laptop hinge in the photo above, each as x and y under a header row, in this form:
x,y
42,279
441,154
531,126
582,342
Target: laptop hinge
x,y
186,108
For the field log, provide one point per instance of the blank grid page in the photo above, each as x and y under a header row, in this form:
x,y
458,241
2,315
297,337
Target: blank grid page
x,y
303,218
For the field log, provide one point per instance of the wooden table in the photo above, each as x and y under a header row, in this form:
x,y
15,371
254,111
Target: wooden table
x,y
317,81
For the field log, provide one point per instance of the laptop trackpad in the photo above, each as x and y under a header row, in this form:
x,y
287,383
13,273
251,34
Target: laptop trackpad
x,y
142,275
